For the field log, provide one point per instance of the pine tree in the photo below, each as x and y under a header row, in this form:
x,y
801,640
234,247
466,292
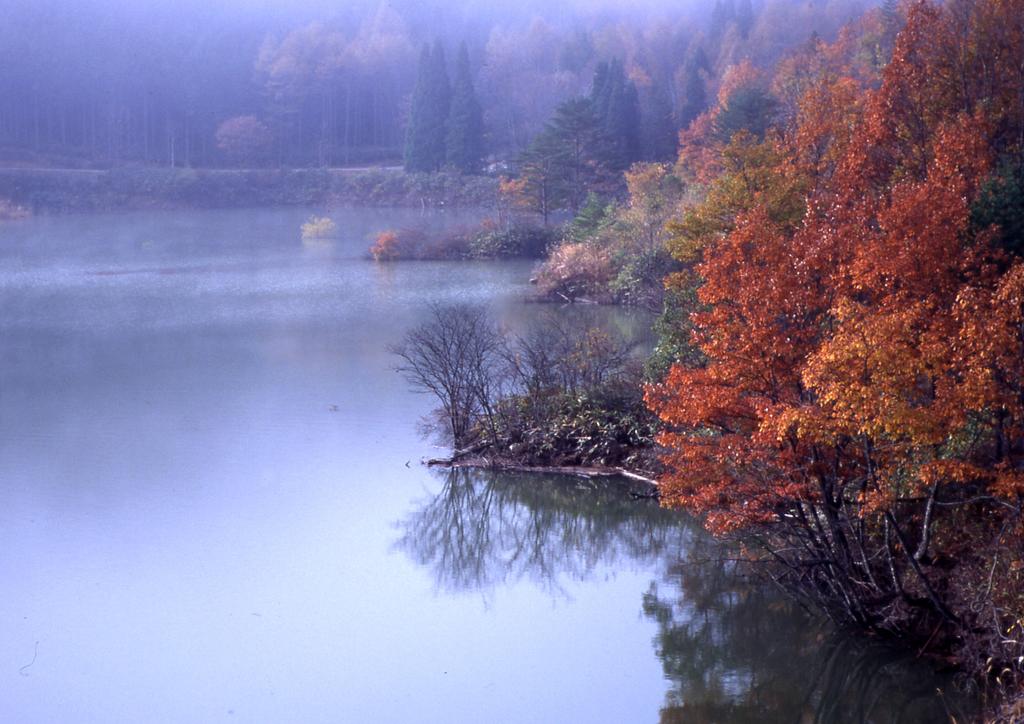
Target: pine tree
x,y
722,16
744,18
616,105
465,141
428,118
600,88
747,109
567,159
622,123
576,132
630,123
660,135
891,12
891,24
694,91
542,170
576,52
441,105
417,141
595,215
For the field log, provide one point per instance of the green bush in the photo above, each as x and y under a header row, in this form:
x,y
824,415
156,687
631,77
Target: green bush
x,y
609,425
527,242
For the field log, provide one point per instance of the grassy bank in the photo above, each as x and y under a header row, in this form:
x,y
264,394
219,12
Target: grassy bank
x,y
76,190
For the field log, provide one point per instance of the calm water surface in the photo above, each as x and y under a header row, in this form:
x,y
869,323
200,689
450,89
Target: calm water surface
x,y
211,509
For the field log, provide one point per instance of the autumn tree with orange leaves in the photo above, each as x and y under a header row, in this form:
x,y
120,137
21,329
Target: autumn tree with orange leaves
x,y
858,402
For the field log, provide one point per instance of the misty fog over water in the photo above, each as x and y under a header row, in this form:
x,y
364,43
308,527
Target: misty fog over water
x,y
716,243
213,507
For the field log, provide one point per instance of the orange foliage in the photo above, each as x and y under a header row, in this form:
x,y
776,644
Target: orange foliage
x,y
874,349
513,192
385,247
742,75
699,150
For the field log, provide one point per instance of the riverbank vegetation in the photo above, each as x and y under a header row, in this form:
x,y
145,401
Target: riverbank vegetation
x,y
616,252
519,239
557,395
840,379
68,190
856,405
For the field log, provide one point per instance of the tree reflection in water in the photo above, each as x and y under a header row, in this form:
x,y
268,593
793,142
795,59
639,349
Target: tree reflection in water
x,y
485,529
732,651
738,652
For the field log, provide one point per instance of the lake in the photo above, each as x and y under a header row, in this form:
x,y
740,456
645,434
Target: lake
x,y
212,509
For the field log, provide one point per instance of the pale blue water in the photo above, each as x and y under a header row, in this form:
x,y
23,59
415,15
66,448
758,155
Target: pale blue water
x,y
211,509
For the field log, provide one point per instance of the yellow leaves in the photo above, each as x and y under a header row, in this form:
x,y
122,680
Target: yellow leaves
x,y
755,174
806,423
877,373
319,227
514,192
643,181
654,194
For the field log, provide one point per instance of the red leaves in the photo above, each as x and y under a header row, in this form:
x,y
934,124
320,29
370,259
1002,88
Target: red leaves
x,y
875,344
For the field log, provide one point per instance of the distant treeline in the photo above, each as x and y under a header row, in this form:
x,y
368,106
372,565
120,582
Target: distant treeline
x,y
73,190
95,83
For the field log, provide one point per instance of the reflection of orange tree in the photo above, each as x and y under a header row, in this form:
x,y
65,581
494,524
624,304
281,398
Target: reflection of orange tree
x,y
741,653
731,650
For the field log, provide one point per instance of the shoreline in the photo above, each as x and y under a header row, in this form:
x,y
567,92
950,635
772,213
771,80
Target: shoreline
x,y
580,471
127,188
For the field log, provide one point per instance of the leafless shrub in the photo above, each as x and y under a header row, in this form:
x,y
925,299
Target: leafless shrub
x,y
456,356
557,354
563,393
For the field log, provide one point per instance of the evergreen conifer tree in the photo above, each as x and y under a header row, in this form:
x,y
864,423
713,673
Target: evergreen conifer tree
x,y
600,89
441,97
891,23
464,146
567,159
660,135
722,16
744,18
629,121
694,91
428,117
417,154
542,168
747,109
616,104
576,132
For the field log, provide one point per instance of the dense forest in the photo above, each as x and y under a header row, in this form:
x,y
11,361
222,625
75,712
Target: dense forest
x,y
100,83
